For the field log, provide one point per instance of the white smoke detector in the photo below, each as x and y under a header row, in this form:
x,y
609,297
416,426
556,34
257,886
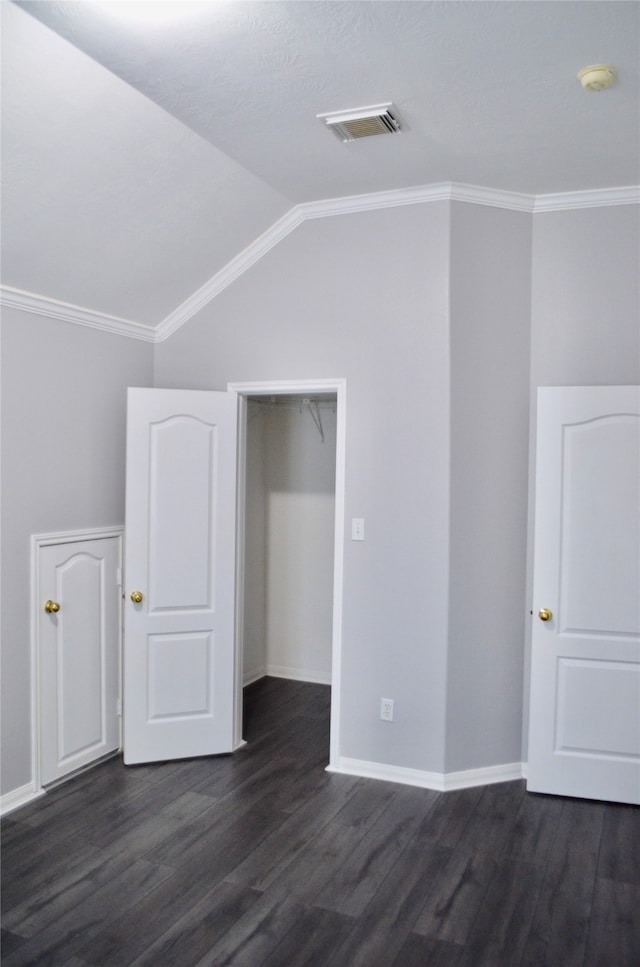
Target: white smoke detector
x,y
597,77
362,122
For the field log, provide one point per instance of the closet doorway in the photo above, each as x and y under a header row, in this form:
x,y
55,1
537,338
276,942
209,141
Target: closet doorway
x,y
290,534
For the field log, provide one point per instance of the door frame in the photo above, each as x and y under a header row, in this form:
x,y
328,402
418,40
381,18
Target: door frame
x,y
245,390
45,540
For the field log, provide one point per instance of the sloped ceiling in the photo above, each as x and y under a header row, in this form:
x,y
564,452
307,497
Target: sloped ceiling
x,y
140,157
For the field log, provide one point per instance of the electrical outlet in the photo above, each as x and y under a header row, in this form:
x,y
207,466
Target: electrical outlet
x,y
386,709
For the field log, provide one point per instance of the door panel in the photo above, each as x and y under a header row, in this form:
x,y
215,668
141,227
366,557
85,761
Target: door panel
x,y
585,685
79,657
584,737
183,465
180,675
600,534
179,682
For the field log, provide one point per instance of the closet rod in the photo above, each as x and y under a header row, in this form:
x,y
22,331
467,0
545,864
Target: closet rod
x,y
312,403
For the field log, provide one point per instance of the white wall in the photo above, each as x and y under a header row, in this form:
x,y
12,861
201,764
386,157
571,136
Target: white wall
x,y
585,323
490,332
63,419
293,540
364,297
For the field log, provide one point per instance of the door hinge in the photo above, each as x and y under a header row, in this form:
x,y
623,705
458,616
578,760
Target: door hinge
x,y
119,576
119,707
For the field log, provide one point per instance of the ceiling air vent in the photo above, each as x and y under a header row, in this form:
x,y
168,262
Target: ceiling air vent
x,y
362,122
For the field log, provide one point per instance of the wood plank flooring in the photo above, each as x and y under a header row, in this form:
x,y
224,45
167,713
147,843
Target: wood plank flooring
x,y
263,859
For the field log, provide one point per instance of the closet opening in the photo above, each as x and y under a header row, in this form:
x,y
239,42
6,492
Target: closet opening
x,y
290,536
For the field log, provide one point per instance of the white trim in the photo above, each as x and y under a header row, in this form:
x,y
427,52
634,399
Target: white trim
x,y
285,387
387,773
241,500
253,676
71,537
492,197
587,199
441,782
299,674
66,312
46,540
421,194
19,797
483,777
307,386
376,200
231,271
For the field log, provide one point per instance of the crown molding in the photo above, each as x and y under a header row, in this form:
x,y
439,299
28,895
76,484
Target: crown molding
x,y
53,309
492,197
441,191
373,201
473,195
231,271
597,198
421,194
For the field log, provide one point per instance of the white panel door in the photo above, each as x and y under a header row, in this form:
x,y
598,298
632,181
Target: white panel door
x,y
78,653
584,737
179,681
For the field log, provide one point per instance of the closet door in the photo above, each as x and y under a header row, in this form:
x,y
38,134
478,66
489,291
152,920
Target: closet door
x,y
78,602
179,681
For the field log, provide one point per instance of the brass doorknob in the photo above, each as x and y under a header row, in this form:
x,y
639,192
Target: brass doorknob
x,y
545,615
51,607
137,597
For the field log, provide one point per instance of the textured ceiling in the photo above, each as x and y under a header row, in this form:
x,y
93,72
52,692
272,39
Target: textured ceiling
x,y
140,158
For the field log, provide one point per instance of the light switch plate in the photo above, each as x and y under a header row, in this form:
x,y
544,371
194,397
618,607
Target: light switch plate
x,y
357,528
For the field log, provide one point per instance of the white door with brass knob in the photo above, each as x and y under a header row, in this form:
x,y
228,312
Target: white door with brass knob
x,y
77,608
584,735
179,603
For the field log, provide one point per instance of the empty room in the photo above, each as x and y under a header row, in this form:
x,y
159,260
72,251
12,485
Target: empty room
x,y
320,416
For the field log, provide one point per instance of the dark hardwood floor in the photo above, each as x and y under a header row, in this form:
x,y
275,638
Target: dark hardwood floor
x,y
263,859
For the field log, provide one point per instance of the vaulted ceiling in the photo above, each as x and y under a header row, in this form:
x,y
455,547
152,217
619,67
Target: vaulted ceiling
x,y
141,155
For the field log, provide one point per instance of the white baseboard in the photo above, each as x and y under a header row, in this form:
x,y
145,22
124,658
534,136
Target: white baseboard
x,y
483,777
299,674
284,671
440,781
253,675
19,797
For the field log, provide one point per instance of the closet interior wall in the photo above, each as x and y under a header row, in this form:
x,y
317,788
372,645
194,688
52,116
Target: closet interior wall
x,y
289,539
